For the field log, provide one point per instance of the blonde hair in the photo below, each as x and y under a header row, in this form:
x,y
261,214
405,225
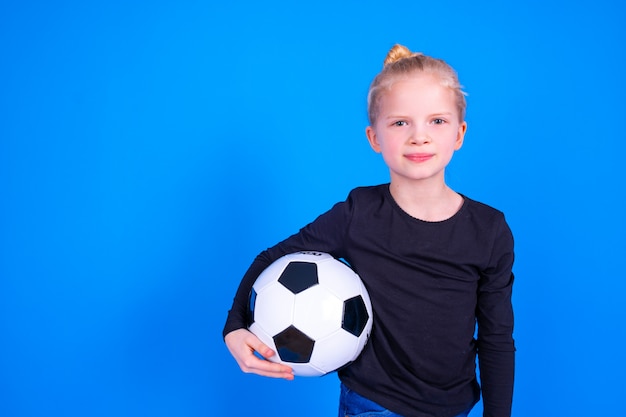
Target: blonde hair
x,y
401,63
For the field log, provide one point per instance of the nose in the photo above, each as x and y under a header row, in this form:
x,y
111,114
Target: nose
x,y
419,137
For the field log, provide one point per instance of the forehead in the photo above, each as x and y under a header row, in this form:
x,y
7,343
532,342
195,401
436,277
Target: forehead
x,y
423,90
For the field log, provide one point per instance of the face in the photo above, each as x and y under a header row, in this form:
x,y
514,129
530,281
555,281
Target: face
x,y
417,129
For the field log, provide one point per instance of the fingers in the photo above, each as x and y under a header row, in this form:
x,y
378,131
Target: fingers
x,y
258,346
266,368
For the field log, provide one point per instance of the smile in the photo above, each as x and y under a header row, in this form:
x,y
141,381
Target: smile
x,y
419,157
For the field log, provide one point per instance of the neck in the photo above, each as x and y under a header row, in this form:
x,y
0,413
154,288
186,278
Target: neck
x,y
428,201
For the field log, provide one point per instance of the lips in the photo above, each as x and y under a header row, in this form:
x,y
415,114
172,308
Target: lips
x,y
419,157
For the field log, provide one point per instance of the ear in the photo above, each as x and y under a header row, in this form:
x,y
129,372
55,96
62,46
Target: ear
x,y
460,136
372,139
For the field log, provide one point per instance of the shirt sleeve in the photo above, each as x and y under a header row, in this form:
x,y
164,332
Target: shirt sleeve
x,y
496,347
324,234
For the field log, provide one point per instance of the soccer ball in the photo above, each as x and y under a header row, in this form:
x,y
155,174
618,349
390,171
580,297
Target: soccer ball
x,y
312,310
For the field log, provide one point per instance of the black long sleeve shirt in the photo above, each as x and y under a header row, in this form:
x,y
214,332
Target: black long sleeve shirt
x,y
430,284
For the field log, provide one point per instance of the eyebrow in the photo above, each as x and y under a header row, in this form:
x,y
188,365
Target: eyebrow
x,y
400,115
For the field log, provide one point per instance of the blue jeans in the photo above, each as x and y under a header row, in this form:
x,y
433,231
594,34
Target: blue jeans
x,y
352,404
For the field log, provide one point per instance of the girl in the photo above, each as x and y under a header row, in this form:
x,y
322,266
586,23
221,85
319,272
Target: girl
x,y
435,263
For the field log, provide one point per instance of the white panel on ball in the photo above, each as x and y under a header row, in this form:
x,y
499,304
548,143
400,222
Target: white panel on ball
x,y
342,288
326,356
318,312
274,308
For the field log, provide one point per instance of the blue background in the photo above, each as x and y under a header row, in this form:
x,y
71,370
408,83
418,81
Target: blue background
x,y
149,150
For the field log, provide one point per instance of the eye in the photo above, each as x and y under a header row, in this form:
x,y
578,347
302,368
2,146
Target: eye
x,y
438,121
400,123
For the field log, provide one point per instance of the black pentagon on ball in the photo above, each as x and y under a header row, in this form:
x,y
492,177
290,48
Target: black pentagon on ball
x,y
298,276
251,305
293,345
355,315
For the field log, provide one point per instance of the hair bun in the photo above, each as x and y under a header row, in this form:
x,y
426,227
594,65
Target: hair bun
x,y
398,52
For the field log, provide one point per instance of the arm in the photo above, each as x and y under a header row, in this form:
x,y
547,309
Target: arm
x,y
324,234
496,348
241,343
